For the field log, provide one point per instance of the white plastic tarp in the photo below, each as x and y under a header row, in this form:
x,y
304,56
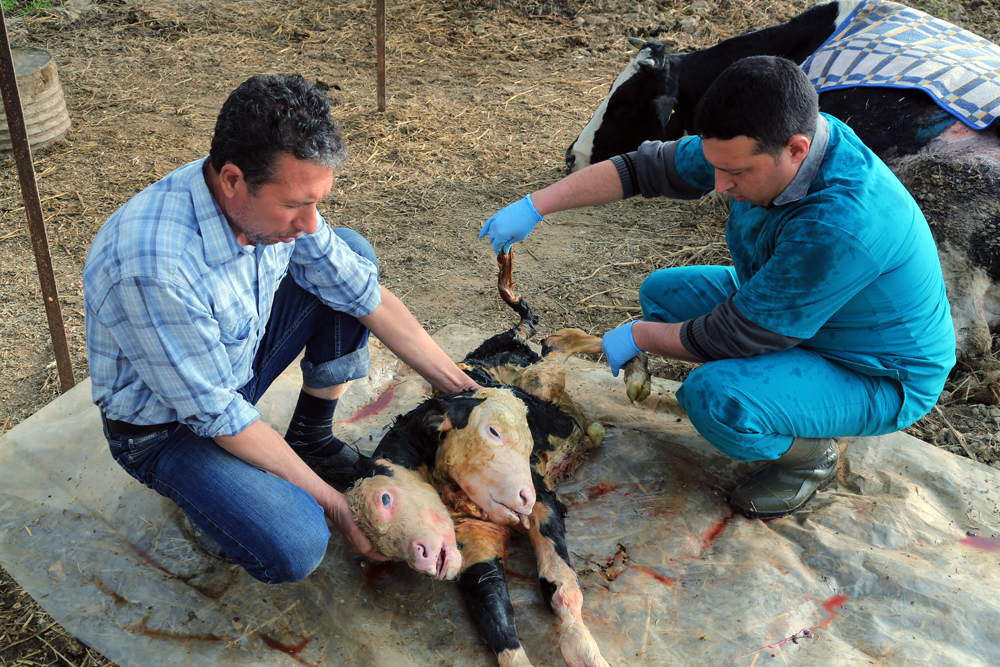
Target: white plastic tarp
x,y
878,570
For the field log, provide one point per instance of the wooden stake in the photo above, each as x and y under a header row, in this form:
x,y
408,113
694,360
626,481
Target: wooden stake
x,y
33,208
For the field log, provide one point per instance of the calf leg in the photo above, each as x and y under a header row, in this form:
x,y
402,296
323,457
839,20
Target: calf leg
x,y
482,580
564,343
559,583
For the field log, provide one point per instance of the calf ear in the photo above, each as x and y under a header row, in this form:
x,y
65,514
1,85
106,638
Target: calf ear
x,y
366,467
664,105
454,411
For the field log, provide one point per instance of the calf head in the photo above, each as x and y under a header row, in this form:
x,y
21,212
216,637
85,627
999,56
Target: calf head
x,y
639,107
402,514
486,450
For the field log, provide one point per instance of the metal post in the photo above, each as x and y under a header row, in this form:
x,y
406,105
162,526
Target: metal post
x,y
33,208
380,51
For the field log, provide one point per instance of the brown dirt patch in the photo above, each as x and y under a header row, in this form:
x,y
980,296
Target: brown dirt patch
x,y
483,99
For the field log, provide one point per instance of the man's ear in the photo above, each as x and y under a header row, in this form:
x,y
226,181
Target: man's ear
x,y
798,148
231,179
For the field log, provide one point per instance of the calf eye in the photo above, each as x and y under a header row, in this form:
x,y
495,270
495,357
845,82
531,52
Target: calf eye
x,y
494,432
386,500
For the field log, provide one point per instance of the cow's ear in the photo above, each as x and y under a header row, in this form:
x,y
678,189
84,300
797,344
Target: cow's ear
x,y
636,42
436,421
456,409
664,105
366,467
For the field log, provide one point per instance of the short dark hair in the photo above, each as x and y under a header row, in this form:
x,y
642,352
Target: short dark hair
x,y
271,115
765,98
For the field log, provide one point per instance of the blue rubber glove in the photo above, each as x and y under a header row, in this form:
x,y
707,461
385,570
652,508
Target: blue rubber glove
x,y
619,347
511,224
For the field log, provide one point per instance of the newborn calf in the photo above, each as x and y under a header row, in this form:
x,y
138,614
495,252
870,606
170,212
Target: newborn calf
x,y
492,457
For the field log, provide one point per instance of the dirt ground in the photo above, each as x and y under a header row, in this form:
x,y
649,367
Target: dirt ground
x,y
483,98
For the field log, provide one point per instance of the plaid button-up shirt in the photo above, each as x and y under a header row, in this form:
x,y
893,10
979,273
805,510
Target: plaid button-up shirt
x,y
176,308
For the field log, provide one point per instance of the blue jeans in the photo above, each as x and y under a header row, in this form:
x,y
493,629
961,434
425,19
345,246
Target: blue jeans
x,y
272,528
751,408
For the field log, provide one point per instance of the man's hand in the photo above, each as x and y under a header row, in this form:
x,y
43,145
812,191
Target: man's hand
x,y
619,346
261,446
341,517
511,224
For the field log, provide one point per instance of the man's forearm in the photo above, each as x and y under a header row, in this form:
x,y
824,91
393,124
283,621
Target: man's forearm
x,y
663,339
262,447
597,184
394,325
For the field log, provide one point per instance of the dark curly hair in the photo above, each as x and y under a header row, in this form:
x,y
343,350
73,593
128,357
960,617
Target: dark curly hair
x,y
271,115
766,98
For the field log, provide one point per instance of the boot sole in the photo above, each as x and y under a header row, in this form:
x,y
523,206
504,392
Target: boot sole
x,y
777,515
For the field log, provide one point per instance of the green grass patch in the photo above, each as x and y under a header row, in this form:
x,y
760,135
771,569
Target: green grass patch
x,y
22,7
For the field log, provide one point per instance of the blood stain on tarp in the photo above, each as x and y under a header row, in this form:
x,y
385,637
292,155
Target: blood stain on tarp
x,y
981,543
516,575
374,407
831,606
148,560
709,537
141,628
291,650
666,581
118,599
207,591
598,490
375,571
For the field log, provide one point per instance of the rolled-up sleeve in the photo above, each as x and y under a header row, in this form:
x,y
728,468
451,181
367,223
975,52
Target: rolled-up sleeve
x,y
652,171
325,266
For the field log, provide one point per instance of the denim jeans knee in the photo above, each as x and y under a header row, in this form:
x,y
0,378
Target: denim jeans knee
x,y
275,530
358,243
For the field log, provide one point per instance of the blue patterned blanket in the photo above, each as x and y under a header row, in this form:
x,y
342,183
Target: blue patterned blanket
x,y
889,45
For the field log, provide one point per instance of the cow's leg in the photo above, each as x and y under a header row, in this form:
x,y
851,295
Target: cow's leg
x,y
564,343
559,583
484,550
567,342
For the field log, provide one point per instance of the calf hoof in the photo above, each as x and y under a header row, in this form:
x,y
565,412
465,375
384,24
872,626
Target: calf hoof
x,y
637,385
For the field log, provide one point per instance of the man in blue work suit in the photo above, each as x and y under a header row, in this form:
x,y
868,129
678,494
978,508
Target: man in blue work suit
x,y
833,319
201,290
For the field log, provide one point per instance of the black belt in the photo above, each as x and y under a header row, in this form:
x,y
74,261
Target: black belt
x,y
134,430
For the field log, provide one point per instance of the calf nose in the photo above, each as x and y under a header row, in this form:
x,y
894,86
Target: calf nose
x,y
527,497
570,161
425,556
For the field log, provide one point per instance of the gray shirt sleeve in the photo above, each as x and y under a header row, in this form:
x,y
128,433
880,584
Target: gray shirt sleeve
x,y
650,171
725,333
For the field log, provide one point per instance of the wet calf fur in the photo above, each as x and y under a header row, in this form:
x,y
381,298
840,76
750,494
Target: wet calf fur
x,y
457,442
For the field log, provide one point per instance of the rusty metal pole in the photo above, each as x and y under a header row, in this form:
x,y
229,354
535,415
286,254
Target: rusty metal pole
x,y
380,51
33,208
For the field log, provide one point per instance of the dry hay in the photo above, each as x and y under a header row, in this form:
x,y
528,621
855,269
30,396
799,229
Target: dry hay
x,y
483,99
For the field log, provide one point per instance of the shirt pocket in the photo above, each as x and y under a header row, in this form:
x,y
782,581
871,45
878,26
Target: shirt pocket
x,y
236,317
235,332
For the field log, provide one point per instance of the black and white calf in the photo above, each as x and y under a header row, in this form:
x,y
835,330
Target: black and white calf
x,y
461,474
655,97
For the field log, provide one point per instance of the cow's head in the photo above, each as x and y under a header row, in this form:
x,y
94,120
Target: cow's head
x,y
639,107
486,450
402,514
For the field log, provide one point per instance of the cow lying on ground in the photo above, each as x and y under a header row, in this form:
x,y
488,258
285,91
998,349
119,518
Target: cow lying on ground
x,y
654,98
492,457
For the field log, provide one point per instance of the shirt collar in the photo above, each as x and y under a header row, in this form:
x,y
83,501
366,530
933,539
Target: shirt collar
x,y
219,239
799,187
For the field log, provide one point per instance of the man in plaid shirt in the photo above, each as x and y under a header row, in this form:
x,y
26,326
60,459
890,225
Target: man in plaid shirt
x,y
201,290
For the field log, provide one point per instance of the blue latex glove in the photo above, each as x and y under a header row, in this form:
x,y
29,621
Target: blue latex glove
x,y
619,347
511,224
